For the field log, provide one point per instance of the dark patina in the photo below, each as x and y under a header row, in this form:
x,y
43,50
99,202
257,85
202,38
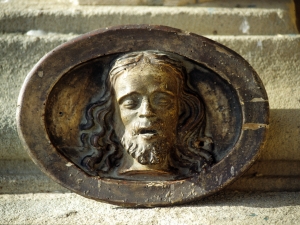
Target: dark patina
x,y
143,115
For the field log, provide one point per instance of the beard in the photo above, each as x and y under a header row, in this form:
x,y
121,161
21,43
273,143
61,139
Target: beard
x,y
146,153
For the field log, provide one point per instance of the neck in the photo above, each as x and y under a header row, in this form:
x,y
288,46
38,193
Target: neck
x,y
131,165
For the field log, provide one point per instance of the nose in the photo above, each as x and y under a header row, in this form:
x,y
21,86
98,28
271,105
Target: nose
x,y
145,109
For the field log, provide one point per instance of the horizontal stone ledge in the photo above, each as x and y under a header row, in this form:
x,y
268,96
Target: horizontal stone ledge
x,y
134,2
34,183
282,4
23,176
276,183
201,20
225,208
282,143
29,183
254,4
261,168
274,168
275,58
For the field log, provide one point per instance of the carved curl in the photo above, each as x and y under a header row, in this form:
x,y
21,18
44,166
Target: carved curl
x,y
192,148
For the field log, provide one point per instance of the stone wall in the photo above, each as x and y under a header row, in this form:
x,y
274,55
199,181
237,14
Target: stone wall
x,y
263,32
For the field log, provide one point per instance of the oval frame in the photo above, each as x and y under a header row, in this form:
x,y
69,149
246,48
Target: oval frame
x,y
226,63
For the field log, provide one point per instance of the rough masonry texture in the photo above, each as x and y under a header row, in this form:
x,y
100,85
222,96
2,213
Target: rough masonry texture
x,y
265,35
263,32
224,208
154,140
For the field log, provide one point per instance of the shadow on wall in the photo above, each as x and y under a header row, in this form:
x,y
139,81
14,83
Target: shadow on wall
x,y
276,170
283,142
297,8
256,199
278,166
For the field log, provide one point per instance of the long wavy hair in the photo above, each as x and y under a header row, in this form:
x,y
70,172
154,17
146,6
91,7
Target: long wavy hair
x,y
193,149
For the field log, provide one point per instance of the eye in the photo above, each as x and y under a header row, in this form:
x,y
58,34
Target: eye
x,y
162,100
129,103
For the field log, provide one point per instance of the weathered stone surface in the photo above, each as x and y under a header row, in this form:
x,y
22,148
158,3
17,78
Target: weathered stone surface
x,y
43,116
275,58
65,18
270,176
18,55
22,176
224,208
279,75
134,2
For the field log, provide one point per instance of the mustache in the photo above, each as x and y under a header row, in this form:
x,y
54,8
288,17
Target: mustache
x,y
145,127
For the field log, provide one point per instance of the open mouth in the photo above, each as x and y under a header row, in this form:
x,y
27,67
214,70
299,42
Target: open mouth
x,y
148,133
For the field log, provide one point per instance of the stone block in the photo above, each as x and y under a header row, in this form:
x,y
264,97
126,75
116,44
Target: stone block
x,y
279,75
224,208
134,2
273,57
263,32
62,18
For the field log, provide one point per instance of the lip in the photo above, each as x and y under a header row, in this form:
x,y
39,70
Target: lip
x,y
147,133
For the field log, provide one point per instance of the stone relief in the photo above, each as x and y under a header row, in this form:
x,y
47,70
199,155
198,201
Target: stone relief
x,y
149,121
151,110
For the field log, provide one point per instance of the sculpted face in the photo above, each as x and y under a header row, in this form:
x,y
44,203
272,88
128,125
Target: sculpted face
x,y
147,122
148,102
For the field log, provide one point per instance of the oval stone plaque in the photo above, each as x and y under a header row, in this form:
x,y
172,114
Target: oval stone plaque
x,y
143,115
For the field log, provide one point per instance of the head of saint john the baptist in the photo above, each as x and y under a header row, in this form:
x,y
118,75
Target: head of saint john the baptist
x,y
148,119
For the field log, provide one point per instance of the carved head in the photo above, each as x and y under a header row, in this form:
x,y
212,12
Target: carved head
x,y
147,97
158,119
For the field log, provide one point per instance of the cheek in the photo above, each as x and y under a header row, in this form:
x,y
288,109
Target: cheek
x,y
127,116
170,116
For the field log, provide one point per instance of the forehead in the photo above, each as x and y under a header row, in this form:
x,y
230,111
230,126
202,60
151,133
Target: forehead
x,y
146,79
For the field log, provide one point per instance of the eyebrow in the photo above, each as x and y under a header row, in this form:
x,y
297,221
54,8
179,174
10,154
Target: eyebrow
x,y
127,95
137,93
167,92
